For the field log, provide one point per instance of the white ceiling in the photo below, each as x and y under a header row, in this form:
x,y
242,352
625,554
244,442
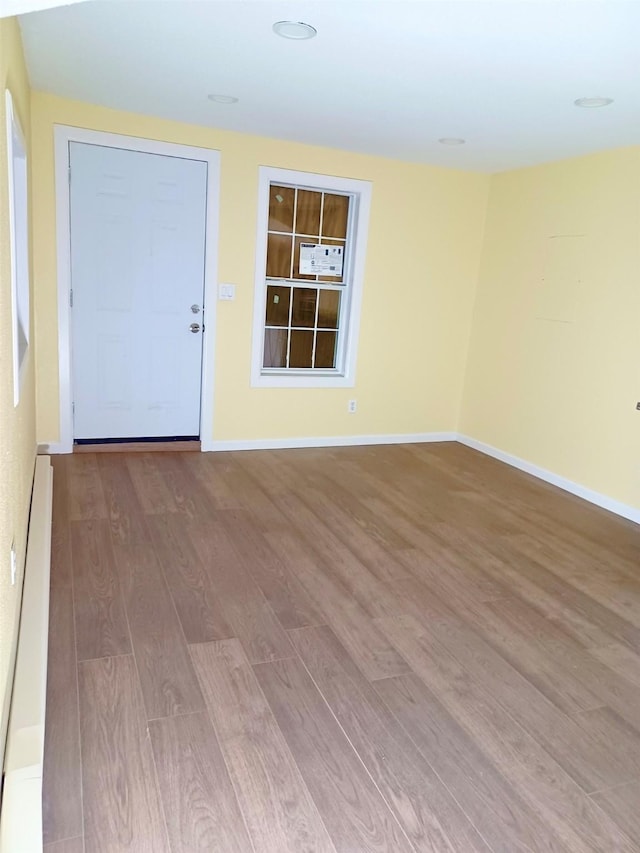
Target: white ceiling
x,y
386,77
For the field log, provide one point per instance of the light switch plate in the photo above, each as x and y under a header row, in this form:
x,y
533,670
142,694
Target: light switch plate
x,y
227,292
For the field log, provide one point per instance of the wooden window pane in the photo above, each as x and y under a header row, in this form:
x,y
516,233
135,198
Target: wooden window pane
x,y
278,256
334,215
326,349
281,205
334,279
278,305
296,260
329,309
308,212
275,348
304,307
301,349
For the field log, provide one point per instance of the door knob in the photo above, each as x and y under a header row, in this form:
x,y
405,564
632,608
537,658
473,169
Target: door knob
x,y
195,328
195,309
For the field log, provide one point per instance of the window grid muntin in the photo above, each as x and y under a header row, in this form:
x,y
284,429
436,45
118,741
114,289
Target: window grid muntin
x,y
306,281
296,284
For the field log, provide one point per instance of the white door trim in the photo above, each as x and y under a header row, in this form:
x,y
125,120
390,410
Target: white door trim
x,y
63,135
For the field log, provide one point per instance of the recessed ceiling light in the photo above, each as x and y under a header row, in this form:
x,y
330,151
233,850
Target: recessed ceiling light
x,y
223,99
451,140
590,103
294,30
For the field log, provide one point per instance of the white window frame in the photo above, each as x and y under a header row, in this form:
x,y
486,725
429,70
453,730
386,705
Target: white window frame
x,y
343,375
18,242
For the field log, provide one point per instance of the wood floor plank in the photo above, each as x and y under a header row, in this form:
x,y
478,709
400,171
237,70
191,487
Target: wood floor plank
x,y
492,803
288,599
589,624
190,498
554,661
62,774
520,577
209,469
152,491
367,536
86,497
61,568
469,631
195,787
619,659
426,809
605,727
169,683
580,556
366,644
593,611
541,651
277,807
354,812
587,757
616,588
69,845
536,647
361,584
197,603
252,497
122,809
124,510
245,607
622,805
101,624
378,529
272,478
444,553
503,729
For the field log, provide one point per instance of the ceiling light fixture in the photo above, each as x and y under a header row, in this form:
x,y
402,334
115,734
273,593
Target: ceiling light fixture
x,y
451,140
223,99
296,30
591,103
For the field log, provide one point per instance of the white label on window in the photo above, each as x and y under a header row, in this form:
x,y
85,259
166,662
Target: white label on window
x,y
317,259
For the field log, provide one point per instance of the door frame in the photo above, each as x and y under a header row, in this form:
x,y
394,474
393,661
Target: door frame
x,y
63,135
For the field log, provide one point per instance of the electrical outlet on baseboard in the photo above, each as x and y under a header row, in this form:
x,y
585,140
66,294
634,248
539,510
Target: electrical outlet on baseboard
x,y
352,407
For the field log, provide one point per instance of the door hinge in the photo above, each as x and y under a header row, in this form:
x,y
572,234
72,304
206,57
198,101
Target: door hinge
x,y
69,174
71,298
73,410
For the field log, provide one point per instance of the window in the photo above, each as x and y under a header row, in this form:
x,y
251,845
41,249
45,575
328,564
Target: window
x,y
19,243
309,267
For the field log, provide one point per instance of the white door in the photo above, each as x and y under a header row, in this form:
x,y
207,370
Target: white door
x,y
137,279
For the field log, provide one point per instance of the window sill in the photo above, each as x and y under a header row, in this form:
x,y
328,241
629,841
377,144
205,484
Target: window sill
x,y
301,379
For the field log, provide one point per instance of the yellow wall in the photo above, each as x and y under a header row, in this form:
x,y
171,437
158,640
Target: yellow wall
x,y
424,247
554,360
17,430
552,367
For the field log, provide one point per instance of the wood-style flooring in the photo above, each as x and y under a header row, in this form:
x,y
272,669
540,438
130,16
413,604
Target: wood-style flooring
x,y
405,648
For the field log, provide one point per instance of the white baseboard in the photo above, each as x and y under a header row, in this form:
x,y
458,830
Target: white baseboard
x,y
54,448
597,498
325,441
21,814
